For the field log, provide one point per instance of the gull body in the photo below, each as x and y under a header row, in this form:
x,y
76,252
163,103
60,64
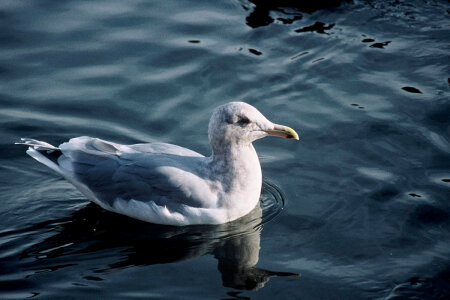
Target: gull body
x,y
168,184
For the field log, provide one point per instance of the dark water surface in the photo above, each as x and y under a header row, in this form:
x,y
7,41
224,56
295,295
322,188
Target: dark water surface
x,y
365,193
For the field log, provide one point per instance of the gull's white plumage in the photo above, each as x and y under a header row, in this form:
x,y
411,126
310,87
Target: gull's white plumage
x,y
168,184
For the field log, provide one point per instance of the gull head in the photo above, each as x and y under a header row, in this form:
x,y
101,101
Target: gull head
x,y
239,123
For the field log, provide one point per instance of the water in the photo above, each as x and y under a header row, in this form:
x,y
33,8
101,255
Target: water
x,y
359,206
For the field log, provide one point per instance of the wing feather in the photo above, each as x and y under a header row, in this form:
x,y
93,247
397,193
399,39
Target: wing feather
x,y
139,172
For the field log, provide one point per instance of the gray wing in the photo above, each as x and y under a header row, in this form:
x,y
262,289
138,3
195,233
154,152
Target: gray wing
x,y
140,172
164,148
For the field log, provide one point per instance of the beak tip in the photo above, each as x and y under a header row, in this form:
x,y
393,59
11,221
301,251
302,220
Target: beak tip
x,y
283,131
292,134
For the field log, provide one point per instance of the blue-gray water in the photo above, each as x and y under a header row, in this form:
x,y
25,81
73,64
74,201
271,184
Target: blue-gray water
x,y
365,192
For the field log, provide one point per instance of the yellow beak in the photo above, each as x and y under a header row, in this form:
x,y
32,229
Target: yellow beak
x,y
283,131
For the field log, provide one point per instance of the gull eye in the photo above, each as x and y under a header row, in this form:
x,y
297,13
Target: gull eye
x,y
243,121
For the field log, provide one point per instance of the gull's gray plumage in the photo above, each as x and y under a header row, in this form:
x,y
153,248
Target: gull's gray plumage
x,y
168,184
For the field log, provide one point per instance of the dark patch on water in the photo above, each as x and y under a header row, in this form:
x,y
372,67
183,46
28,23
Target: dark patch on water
x,y
261,10
415,195
411,89
368,40
318,27
299,55
317,60
357,105
254,51
380,45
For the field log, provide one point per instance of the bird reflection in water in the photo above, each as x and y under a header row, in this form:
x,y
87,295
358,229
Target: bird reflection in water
x,y
130,242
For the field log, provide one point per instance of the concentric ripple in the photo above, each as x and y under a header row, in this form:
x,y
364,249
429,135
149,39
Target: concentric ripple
x,y
272,201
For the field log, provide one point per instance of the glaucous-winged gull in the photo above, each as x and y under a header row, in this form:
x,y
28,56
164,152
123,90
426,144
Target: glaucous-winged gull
x,y
168,184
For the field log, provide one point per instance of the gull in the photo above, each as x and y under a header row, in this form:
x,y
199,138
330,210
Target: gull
x,y
167,184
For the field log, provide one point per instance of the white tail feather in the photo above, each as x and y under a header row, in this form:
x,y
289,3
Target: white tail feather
x,y
37,145
44,160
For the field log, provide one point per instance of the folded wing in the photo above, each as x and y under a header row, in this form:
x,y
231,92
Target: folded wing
x,y
140,172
